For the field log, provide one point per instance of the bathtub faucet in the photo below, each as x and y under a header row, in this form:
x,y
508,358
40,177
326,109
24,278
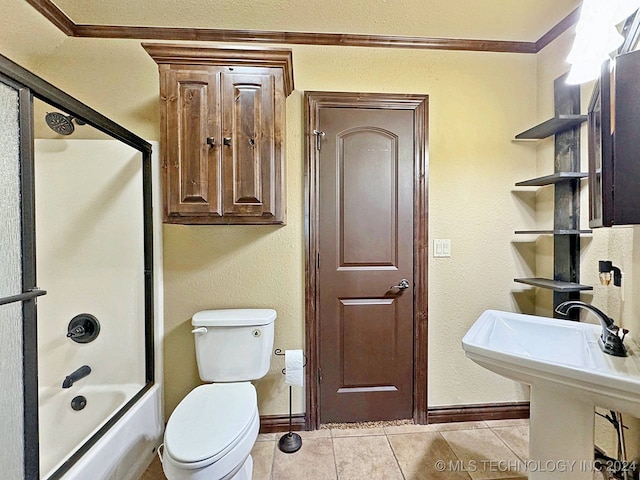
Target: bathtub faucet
x,y
80,373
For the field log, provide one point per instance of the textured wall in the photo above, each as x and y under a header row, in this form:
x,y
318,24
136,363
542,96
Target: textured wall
x,y
478,102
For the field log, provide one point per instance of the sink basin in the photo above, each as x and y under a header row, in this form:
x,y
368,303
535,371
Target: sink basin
x,y
539,350
569,376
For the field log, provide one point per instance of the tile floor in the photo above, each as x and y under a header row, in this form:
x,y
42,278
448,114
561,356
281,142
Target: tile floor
x,y
452,451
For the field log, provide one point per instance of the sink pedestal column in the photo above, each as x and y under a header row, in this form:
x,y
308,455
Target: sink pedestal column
x,y
561,436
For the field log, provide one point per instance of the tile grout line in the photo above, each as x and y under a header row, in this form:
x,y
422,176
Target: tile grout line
x,y
469,477
507,445
273,460
395,457
335,460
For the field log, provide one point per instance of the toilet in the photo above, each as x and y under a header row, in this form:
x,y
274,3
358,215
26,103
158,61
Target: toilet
x,y
211,432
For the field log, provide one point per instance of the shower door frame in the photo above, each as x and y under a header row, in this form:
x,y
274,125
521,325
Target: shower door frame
x,y
30,86
28,273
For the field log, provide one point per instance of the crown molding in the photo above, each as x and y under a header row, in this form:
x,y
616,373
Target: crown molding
x,y
558,29
52,13
172,54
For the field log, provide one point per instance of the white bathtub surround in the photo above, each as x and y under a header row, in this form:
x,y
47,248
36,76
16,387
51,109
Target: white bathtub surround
x,y
128,448
56,416
112,289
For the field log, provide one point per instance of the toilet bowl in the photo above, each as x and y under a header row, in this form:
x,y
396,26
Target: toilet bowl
x,y
211,433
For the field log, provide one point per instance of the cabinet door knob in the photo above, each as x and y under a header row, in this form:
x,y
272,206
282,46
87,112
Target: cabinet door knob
x,y
211,141
227,141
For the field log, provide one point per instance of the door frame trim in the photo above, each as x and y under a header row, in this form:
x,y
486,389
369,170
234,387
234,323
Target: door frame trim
x,y
419,104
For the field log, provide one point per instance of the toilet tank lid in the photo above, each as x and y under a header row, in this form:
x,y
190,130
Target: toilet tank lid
x,y
234,317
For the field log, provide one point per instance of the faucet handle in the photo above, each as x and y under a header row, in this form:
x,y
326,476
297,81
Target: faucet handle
x,y
624,334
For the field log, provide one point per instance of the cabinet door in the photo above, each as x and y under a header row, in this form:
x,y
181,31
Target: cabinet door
x,y
252,150
192,166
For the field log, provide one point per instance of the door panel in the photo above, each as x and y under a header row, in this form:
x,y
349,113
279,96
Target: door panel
x,y
363,322
372,183
249,155
193,169
366,248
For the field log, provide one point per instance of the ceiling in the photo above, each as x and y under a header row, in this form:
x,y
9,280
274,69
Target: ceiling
x,y
516,20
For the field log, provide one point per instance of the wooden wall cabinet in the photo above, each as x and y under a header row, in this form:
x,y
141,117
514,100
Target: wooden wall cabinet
x,y
614,145
222,133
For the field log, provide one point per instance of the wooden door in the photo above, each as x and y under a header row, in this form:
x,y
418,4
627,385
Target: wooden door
x,y
251,146
365,235
192,165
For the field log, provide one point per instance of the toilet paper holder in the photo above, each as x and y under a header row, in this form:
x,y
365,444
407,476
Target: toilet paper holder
x,y
290,442
280,353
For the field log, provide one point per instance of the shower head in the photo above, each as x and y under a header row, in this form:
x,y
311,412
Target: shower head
x,y
60,123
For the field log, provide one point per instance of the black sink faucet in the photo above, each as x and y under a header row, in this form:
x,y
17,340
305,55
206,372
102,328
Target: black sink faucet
x,y
610,341
80,373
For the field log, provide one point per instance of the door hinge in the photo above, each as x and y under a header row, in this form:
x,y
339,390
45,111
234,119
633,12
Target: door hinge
x,y
318,262
319,136
319,375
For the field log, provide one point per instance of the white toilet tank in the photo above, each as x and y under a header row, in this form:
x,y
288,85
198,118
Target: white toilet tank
x,y
233,345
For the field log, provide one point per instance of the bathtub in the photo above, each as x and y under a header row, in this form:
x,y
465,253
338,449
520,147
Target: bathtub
x,y
122,453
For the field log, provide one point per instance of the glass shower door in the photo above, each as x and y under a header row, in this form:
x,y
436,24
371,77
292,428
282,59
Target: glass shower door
x,y
90,254
18,421
75,213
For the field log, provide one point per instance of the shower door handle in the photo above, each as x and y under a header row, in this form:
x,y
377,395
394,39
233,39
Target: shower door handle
x,y
22,297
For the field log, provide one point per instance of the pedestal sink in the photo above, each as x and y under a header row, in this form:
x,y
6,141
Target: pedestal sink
x,y
569,376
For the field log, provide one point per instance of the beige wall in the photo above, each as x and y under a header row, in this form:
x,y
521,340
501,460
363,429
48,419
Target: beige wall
x,y
478,102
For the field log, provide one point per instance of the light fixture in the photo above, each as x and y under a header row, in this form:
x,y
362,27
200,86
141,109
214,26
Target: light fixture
x,y
597,36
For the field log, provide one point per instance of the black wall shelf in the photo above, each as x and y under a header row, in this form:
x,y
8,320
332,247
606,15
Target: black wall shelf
x,y
557,124
565,127
552,232
555,285
552,179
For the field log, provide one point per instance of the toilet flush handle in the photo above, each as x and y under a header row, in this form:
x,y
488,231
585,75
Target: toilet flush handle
x,y
199,330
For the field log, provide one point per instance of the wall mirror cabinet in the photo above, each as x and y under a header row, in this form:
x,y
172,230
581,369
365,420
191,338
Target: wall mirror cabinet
x,y
614,138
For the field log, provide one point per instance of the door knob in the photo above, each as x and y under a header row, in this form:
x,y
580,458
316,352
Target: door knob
x,y
403,285
227,141
211,141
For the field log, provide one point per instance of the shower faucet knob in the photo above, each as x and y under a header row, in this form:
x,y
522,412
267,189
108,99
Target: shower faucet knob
x,y
83,328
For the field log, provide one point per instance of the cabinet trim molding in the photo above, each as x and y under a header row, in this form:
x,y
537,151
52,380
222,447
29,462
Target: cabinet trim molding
x,y
176,54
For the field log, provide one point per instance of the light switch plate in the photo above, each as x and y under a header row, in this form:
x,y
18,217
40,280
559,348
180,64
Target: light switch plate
x,y
441,247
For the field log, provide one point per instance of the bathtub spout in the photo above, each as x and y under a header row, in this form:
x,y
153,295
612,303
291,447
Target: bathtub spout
x,y
80,373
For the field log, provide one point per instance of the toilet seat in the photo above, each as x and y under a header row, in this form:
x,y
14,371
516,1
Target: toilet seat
x,y
209,422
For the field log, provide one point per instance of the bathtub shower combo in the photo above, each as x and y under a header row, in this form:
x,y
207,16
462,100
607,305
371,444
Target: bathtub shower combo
x,y
76,289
